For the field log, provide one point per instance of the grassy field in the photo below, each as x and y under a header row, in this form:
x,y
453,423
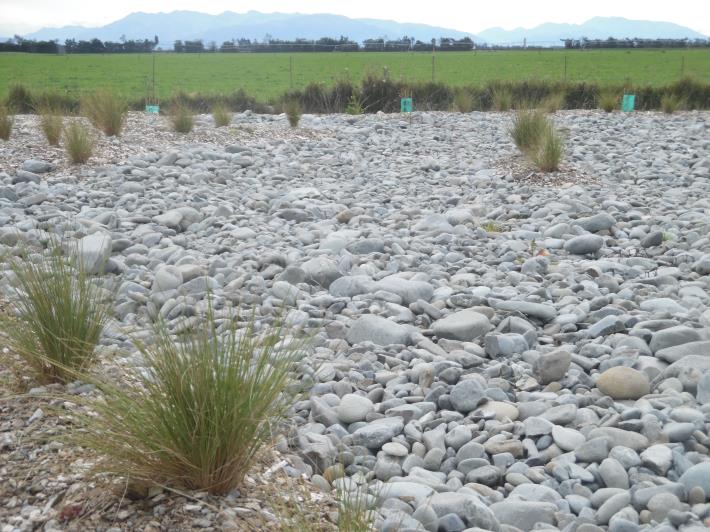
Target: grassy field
x,y
269,75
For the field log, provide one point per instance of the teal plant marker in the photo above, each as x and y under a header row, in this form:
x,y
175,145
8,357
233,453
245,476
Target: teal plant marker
x,y
152,109
406,105
628,102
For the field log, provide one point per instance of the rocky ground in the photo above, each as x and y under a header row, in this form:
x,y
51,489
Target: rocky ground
x,y
493,349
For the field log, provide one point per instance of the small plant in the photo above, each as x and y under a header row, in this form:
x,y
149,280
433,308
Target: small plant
x,y
528,129
5,123
608,101
502,99
670,103
463,101
199,412
61,314
181,118
51,122
293,112
356,510
79,142
553,102
354,106
548,153
20,99
492,227
105,111
221,115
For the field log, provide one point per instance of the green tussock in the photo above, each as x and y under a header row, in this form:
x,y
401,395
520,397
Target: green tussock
x,y
463,101
78,142
292,108
502,99
105,111
181,119
51,123
608,101
671,103
201,410
5,123
61,313
548,153
221,115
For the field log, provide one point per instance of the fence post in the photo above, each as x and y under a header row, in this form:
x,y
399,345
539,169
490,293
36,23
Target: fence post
x,y
682,66
433,61
290,71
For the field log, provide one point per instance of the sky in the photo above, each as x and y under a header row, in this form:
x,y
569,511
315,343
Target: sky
x,y
23,16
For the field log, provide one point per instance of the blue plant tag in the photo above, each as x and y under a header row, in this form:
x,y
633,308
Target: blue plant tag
x,y
406,105
628,102
152,109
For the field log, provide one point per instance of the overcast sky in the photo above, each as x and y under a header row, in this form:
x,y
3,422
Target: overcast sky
x,y
22,16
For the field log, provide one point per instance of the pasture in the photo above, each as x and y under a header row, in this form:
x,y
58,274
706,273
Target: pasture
x,y
267,76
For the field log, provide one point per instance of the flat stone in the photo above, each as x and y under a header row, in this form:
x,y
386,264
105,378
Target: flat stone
x,y
468,507
584,244
375,434
466,395
567,439
524,514
378,330
552,366
620,437
465,325
94,252
673,336
354,408
678,352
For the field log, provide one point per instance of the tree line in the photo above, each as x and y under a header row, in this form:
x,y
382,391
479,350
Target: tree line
x,y
611,42
325,44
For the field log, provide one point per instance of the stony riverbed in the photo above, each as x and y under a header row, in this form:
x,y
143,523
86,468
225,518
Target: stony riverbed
x,y
494,348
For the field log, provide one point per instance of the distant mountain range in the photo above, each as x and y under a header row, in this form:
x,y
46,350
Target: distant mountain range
x,y
595,28
191,25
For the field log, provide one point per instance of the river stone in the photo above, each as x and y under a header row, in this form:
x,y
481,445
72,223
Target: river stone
x,y
621,382
584,244
567,439
353,408
465,325
620,437
466,395
673,336
94,252
552,366
37,167
321,271
467,506
378,330
678,352
697,475
375,434
524,514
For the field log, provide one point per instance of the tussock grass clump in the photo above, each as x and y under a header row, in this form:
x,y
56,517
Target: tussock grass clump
x,y
201,410
106,111
502,99
354,106
51,122
553,102
548,153
527,129
182,119
670,103
20,99
61,314
463,101
79,142
6,122
292,108
221,115
356,510
608,101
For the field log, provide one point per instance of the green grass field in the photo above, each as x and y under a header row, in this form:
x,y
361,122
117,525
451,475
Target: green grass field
x,y
268,75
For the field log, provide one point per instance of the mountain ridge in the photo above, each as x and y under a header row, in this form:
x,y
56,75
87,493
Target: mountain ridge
x,y
192,25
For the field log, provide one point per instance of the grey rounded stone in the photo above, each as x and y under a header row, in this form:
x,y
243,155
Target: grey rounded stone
x,y
465,325
466,395
621,382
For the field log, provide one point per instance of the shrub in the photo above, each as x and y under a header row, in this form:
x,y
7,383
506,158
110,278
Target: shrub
x,y
502,99
221,115
78,141
51,123
670,103
463,101
608,101
106,112
528,129
61,314
354,106
20,99
293,112
201,409
181,118
548,153
553,102
5,123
